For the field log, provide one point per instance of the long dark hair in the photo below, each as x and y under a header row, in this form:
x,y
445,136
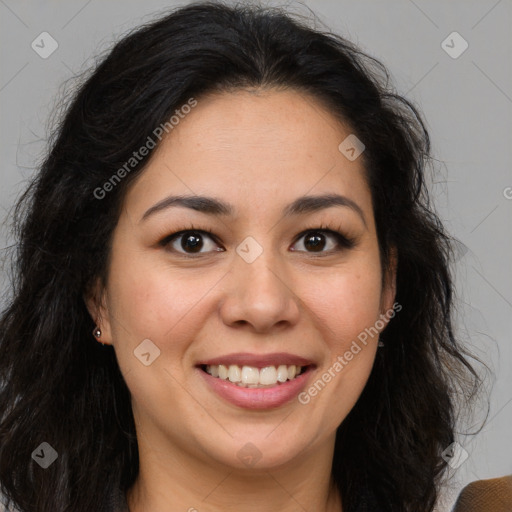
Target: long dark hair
x,y
61,387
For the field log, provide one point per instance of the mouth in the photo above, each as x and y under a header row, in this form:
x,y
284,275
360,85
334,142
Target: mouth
x,y
252,381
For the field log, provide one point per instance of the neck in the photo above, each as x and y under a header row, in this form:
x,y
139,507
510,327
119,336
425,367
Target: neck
x,y
185,482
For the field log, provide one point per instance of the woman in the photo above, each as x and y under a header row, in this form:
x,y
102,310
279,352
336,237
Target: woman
x,y
230,289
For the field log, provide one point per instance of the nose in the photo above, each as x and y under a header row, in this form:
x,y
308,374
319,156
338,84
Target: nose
x,y
259,296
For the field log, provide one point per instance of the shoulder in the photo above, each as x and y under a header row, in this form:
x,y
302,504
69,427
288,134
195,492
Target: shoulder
x,y
493,495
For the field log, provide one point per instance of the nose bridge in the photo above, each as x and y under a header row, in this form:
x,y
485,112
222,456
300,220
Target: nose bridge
x,y
262,274
259,294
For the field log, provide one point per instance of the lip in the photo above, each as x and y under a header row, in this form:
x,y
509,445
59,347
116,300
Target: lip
x,y
258,360
257,398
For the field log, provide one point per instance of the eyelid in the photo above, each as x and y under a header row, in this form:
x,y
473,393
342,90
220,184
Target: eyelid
x,y
166,241
344,241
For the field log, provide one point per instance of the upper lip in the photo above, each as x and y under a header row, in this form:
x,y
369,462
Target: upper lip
x,y
258,360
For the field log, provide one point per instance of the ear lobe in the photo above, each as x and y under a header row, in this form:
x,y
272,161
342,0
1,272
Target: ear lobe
x,y
95,301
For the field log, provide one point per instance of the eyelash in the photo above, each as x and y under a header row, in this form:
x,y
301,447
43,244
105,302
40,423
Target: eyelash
x,y
344,242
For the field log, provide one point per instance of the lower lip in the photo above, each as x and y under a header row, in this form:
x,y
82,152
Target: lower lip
x,y
257,398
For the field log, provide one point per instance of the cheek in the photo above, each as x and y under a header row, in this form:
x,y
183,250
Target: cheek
x,y
150,301
346,303
147,301
345,309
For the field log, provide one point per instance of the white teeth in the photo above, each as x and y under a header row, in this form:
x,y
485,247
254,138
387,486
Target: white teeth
x,y
251,377
282,373
268,375
234,373
223,372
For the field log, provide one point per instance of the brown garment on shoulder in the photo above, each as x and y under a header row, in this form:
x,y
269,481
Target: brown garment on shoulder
x,y
493,495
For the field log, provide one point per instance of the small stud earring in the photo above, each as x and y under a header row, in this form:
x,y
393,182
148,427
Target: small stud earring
x,y
97,334
380,344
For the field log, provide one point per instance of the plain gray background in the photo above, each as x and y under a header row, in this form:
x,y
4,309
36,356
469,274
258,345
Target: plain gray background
x,y
467,102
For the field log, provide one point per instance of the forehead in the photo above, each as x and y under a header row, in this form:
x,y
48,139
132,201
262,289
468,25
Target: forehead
x,y
265,146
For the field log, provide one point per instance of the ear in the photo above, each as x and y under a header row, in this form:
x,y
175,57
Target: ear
x,y
95,300
388,293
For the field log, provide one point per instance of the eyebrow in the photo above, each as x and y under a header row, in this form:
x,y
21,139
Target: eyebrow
x,y
213,206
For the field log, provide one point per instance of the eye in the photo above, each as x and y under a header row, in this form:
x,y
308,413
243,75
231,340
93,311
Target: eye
x,y
323,240
191,242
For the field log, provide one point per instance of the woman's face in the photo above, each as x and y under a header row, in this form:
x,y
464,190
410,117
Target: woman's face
x,y
267,289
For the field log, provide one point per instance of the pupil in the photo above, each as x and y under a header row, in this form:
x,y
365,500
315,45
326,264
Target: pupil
x,y
315,242
192,242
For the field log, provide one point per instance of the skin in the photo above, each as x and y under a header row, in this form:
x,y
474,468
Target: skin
x,y
258,151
